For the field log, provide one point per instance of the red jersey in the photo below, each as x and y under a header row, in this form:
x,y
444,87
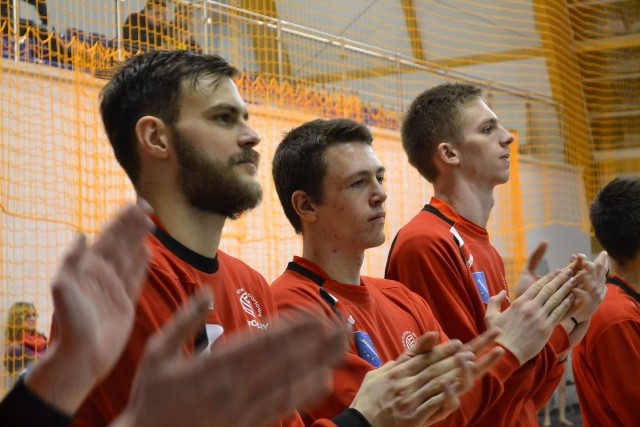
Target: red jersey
x,y
604,361
242,301
451,263
386,319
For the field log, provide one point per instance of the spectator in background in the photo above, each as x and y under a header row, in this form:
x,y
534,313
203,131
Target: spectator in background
x,y
182,29
46,45
25,344
6,12
147,29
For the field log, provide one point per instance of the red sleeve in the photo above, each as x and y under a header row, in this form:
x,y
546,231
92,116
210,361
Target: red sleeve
x,y
479,399
431,266
611,386
347,378
548,366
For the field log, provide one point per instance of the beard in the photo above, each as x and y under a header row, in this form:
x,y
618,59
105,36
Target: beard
x,y
212,185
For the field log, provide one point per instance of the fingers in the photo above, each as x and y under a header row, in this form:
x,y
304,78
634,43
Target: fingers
x,y
300,374
184,324
558,313
134,276
127,230
67,277
422,361
482,342
439,406
551,283
488,361
425,344
602,260
466,374
557,290
494,308
538,255
427,382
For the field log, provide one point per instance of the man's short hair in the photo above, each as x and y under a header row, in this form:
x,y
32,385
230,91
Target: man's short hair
x,y
435,117
299,161
152,84
615,216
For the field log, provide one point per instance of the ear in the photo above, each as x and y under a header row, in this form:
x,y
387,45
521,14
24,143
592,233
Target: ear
x,y
448,153
304,206
154,136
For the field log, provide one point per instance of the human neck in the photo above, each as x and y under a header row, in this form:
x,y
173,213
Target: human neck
x,y
629,272
470,201
340,265
197,230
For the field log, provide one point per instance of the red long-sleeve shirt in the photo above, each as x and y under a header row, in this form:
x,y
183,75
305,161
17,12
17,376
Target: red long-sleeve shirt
x,y
392,318
604,362
243,300
456,280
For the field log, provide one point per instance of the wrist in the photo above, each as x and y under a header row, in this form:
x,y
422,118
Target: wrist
x,y
514,350
60,381
125,419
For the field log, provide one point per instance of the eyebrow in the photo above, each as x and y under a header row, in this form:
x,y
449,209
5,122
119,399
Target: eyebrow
x,y
491,121
229,107
366,172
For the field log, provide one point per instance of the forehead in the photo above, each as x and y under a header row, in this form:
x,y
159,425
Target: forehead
x,y
345,159
475,113
210,91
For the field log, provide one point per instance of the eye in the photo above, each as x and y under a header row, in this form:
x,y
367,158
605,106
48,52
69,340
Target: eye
x,y
223,118
487,130
358,183
380,179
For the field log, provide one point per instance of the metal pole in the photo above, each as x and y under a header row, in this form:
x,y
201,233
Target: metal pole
x,y
119,29
206,21
280,58
16,31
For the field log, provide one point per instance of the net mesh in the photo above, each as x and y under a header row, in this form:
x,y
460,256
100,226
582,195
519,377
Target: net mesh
x,y
563,75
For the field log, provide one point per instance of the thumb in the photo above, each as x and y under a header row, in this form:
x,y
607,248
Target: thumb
x,y
493,306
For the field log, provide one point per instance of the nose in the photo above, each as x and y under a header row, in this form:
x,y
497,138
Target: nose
x,y
507,138
379,195
249,138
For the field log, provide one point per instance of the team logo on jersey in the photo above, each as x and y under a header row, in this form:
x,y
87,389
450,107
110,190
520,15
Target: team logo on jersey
x,y
481,284
366,349
251,306
351,321
409,339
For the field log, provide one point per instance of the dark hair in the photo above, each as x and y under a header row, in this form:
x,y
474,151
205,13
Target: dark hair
x,y
151,84
299,162
434,117
615,216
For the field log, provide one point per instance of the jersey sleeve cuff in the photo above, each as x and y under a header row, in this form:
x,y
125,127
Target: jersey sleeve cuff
x,y
559,343
506,366
351,418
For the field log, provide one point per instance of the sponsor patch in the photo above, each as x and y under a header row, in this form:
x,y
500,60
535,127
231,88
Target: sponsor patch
x,y
481,284
366,349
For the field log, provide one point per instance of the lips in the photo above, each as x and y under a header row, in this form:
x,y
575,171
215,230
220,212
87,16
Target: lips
x,y
249,156
379,216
